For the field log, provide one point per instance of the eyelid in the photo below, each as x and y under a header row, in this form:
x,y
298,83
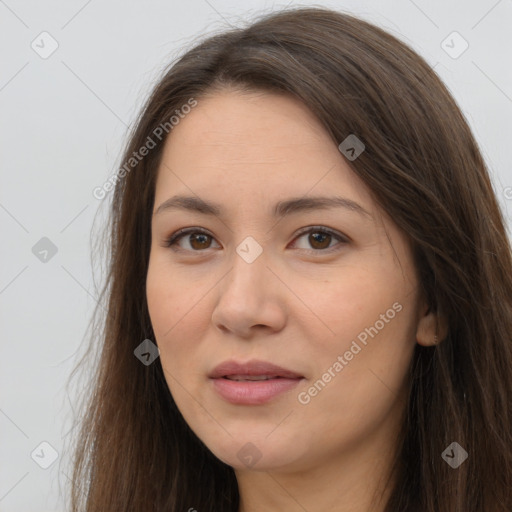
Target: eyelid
x,y
343,239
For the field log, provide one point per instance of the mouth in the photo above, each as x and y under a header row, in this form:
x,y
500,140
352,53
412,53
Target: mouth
x,y
243,378
252,383
252,370
253,391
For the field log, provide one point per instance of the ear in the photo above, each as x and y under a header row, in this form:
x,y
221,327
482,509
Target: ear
x,y
432,327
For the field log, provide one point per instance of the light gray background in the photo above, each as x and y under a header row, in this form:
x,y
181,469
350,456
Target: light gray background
x,y
63,122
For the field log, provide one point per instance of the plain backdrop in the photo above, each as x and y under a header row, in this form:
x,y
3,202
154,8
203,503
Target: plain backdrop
x,y
64,119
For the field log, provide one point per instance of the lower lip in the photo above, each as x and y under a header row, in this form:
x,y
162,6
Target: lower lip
x,y
252,392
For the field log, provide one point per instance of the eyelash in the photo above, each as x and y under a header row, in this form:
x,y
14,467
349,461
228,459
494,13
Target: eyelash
x,y
177,235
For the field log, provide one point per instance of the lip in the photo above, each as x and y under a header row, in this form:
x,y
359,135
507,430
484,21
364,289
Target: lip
x,y
252,392
253,368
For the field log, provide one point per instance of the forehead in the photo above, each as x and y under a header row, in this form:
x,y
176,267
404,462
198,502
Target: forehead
x,y
229,113
262,144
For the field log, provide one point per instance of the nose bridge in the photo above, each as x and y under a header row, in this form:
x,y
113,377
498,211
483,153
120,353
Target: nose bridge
x,y
250,295
249,270
245,298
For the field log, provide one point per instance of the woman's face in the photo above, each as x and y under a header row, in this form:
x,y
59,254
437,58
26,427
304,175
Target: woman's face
x,y
317,291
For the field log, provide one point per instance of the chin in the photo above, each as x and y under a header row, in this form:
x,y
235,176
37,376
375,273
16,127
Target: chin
x,y
255,453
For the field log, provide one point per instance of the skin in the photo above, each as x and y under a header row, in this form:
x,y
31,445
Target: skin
x,y
297,305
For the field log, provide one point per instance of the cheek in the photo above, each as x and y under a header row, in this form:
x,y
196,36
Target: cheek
x,y
345,302
363,338
166,313
179,315
350,398
169,297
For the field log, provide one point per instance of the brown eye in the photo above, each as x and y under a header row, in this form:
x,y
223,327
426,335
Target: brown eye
x,y
197,240
320,240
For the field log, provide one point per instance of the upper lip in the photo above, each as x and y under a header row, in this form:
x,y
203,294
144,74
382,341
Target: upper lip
x,y
252,368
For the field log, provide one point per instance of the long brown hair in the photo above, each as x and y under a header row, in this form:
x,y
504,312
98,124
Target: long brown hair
x,y
135,451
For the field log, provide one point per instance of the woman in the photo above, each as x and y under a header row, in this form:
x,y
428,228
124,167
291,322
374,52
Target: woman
x,y
309,288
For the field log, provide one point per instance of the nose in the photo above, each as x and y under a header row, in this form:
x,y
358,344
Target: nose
x,y
250,298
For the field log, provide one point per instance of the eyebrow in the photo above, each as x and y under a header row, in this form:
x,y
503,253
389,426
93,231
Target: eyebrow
x,y
281,209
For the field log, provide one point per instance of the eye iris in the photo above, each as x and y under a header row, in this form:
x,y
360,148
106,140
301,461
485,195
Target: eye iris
x,y
313,239
195,238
